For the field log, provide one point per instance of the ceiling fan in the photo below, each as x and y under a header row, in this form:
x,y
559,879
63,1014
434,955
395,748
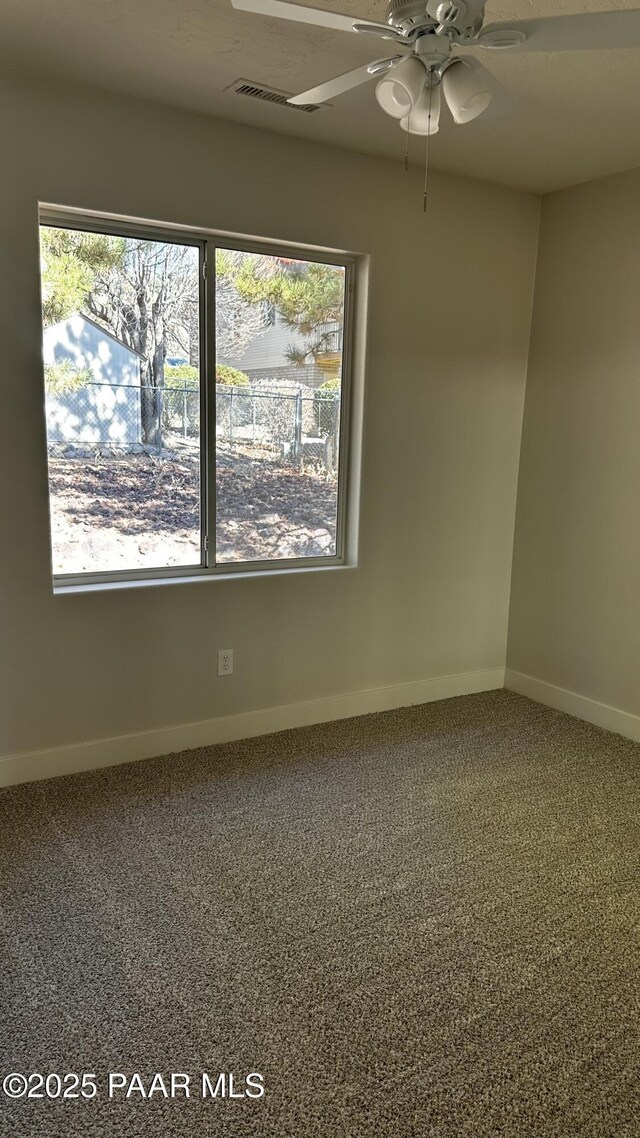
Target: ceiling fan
x,y
428,35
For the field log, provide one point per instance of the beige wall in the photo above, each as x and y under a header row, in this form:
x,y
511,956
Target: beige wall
x,y
575,607
450,300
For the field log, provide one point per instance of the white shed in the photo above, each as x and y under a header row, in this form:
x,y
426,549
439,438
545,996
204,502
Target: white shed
x,y
107,408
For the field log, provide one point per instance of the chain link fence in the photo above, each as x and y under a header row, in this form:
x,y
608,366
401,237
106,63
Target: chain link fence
x,y
297,429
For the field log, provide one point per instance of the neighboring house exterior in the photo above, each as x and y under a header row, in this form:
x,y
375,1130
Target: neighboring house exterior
x,y
106,409
265,357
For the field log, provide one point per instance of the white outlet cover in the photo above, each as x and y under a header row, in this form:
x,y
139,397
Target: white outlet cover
x,y
225,662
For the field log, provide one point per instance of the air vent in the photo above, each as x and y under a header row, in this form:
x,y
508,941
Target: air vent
x,y
268,95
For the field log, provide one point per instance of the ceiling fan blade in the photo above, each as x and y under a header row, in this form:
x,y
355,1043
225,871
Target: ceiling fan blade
x,y
384,31
284,11
590,31
344,82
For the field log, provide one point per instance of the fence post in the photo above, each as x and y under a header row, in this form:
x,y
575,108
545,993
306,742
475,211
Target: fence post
x,y
184,408
297,436
231,418
159,418
333,412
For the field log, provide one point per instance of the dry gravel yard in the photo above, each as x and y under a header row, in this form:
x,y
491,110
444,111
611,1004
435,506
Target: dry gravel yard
x,y
140,511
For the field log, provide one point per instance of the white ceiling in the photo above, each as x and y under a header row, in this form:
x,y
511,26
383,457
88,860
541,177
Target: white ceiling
x,y
577,114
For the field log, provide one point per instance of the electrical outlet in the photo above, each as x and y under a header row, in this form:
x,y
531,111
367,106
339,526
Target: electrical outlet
x,y
225,662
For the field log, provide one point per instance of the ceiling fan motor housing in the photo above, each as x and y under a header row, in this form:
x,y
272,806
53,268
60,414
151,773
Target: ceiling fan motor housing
x,y
448,13
407,14
458,18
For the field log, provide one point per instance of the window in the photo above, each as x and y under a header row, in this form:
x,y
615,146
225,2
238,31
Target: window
x,y
188,430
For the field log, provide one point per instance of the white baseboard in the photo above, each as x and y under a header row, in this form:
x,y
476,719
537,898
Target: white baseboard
x,y
29,766
611,718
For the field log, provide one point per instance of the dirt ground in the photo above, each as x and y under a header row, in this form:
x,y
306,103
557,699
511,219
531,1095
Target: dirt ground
x,y
143,512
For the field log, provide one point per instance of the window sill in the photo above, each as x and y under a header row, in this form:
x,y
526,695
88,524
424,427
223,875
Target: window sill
x,y
112,585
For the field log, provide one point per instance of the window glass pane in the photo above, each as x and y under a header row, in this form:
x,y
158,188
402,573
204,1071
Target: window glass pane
x,y
279,333
121,349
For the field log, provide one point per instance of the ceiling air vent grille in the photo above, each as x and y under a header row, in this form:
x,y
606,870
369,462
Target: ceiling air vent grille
x,y
268,95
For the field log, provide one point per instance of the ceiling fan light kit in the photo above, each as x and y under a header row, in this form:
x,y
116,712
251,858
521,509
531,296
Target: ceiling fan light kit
x,y
400,89
429,34
424,116
466,94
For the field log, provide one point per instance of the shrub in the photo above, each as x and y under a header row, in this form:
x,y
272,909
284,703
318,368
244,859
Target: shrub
x,y
175,375
179,378
276,410
324,402
230,376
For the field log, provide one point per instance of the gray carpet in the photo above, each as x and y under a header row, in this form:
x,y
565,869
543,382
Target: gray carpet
x,y
420,923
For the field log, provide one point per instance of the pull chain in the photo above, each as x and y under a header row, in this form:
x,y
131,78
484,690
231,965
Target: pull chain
x,y
426,159
406,152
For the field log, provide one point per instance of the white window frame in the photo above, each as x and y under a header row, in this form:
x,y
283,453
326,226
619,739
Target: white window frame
x,y
207,241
